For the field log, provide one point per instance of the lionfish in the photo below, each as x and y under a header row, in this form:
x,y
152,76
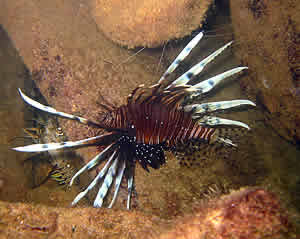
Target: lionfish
x,y
47,130
155,119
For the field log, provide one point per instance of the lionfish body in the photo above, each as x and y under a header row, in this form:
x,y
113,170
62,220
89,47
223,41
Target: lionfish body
x,y
155,119
155,123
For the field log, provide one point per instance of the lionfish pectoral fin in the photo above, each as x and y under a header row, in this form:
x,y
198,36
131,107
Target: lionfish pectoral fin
x,y
97,140
95,161
197,69
118,182
55,146
109,177
215,106
207,85
216,121
130,189
100,175
182,55
53,111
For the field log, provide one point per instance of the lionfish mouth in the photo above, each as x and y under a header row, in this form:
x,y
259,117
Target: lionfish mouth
x,y
155,119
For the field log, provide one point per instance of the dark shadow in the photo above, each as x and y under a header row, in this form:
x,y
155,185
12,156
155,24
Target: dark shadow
x,y
17,174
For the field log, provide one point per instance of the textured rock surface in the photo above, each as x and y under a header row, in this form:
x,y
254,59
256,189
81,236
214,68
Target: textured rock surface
x,y
148,23
249,213
28,221
268,33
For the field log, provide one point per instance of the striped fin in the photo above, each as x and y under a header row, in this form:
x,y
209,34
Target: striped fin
x,y
58,176
106,183
100,175
96,160
130,188
213,121
182,55
53,111
55,146
214,106
209,84
195,70
68,144
118,183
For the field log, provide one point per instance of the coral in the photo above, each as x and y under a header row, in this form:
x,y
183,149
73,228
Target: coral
x,y
148,23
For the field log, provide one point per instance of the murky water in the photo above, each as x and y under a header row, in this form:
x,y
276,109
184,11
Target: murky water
x,y
262,159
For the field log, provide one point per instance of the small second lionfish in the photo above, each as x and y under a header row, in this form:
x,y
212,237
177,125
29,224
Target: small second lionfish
x,y
47,130
155,119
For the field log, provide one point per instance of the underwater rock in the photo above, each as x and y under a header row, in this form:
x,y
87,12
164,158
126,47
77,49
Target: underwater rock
x,y
2,183
249,213
35,221
148,23
268,36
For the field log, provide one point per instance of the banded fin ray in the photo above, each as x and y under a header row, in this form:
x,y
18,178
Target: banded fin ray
x,y
215,121
109,177
68,144
209,84
182,55
53,111
118,183
96,160
100,175
130,183
197,69
215,106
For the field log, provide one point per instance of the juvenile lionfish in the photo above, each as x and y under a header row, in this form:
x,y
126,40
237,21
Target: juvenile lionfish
x,y
47,130
155,119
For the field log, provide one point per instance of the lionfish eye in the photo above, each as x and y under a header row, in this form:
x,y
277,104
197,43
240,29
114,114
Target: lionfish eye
x,y
59,132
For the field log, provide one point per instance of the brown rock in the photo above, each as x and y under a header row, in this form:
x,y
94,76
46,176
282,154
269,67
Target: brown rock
x,y
248,213
148,23
28,221
268,33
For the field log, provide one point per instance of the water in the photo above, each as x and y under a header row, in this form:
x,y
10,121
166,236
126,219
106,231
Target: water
x,y
13,174
263,158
